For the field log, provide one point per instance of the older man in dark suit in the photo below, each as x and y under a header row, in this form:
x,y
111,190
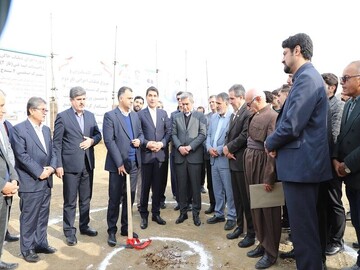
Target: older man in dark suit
x,y
8,185
300,145
35,163
156,128
234,148
75,135
188,135
346,154
123,137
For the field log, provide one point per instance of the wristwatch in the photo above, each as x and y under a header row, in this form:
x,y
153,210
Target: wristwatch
x,y
347,170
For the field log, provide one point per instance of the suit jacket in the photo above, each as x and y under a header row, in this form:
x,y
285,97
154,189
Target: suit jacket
x,y
67,138
347,147
160,132
117,139
300,137
31,157
193,135
236,137
222,161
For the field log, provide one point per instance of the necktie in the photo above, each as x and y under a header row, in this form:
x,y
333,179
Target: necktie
x,y
351,108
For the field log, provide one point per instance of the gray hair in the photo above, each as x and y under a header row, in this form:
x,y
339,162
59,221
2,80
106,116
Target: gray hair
x,y
34,103
76,92
224,97
238,90
188,95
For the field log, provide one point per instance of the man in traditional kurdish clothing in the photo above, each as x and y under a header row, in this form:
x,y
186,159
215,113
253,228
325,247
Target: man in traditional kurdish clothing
x,y
259,168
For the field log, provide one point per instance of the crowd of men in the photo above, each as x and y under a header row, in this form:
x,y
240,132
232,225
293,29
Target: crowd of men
x,y
301,135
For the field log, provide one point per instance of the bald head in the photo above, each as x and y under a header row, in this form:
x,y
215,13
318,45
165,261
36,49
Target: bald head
x,y
255,100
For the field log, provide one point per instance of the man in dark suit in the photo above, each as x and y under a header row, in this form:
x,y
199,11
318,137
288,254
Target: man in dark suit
x,y
300,145
188,135
235,145
75,135
35,163
8,185
123,137
156,128
346,154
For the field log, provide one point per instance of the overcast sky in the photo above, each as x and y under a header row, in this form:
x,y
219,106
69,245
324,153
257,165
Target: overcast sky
x,y
239,40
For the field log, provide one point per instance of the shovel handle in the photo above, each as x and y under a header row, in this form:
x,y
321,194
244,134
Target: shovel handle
x,y
129,207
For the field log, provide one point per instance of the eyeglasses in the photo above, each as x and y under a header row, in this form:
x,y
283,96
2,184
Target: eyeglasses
x,y
347,77
42,109
249,103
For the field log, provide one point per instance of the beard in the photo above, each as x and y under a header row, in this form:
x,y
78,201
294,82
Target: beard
x,y
287,69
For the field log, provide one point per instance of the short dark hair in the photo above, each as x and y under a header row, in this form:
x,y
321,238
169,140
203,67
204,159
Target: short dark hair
x,y
285,88
179,93
139,97
122,91
269,97
152,88
331,79
304,41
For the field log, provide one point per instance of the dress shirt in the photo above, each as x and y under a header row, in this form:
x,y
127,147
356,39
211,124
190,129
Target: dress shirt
x,y
39,133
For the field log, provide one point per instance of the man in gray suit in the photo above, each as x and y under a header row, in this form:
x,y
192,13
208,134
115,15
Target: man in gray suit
x,y
123,137
75,135
8,186
346,154
35,163
188,135
220,171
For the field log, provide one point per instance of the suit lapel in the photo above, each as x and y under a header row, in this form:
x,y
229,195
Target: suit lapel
x,y
86,124
72,118
347,124
31,131
148,116
121,121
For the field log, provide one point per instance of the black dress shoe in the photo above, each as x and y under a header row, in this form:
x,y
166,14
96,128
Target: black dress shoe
x,y
144,223
71,240
248,241
257,252
181,218
265,262
162,205
235,234
355,245
125,233
158,220
197,220
177,207
11,238
89,232
210,210
333,249
45,250
229,225
215,219
111,240
9,266
31,257
288,255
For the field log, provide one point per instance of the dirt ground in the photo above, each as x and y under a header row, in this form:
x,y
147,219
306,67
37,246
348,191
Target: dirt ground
x,y
182,246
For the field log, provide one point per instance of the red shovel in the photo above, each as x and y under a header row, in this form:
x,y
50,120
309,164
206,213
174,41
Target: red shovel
x,y
132,242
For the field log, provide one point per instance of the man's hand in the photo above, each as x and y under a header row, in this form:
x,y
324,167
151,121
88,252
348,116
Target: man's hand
x,y
270,153
60,172
86,143
121,170
339,168
226,150
46,172
10,189
268,187
183,150
213,152
135,143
